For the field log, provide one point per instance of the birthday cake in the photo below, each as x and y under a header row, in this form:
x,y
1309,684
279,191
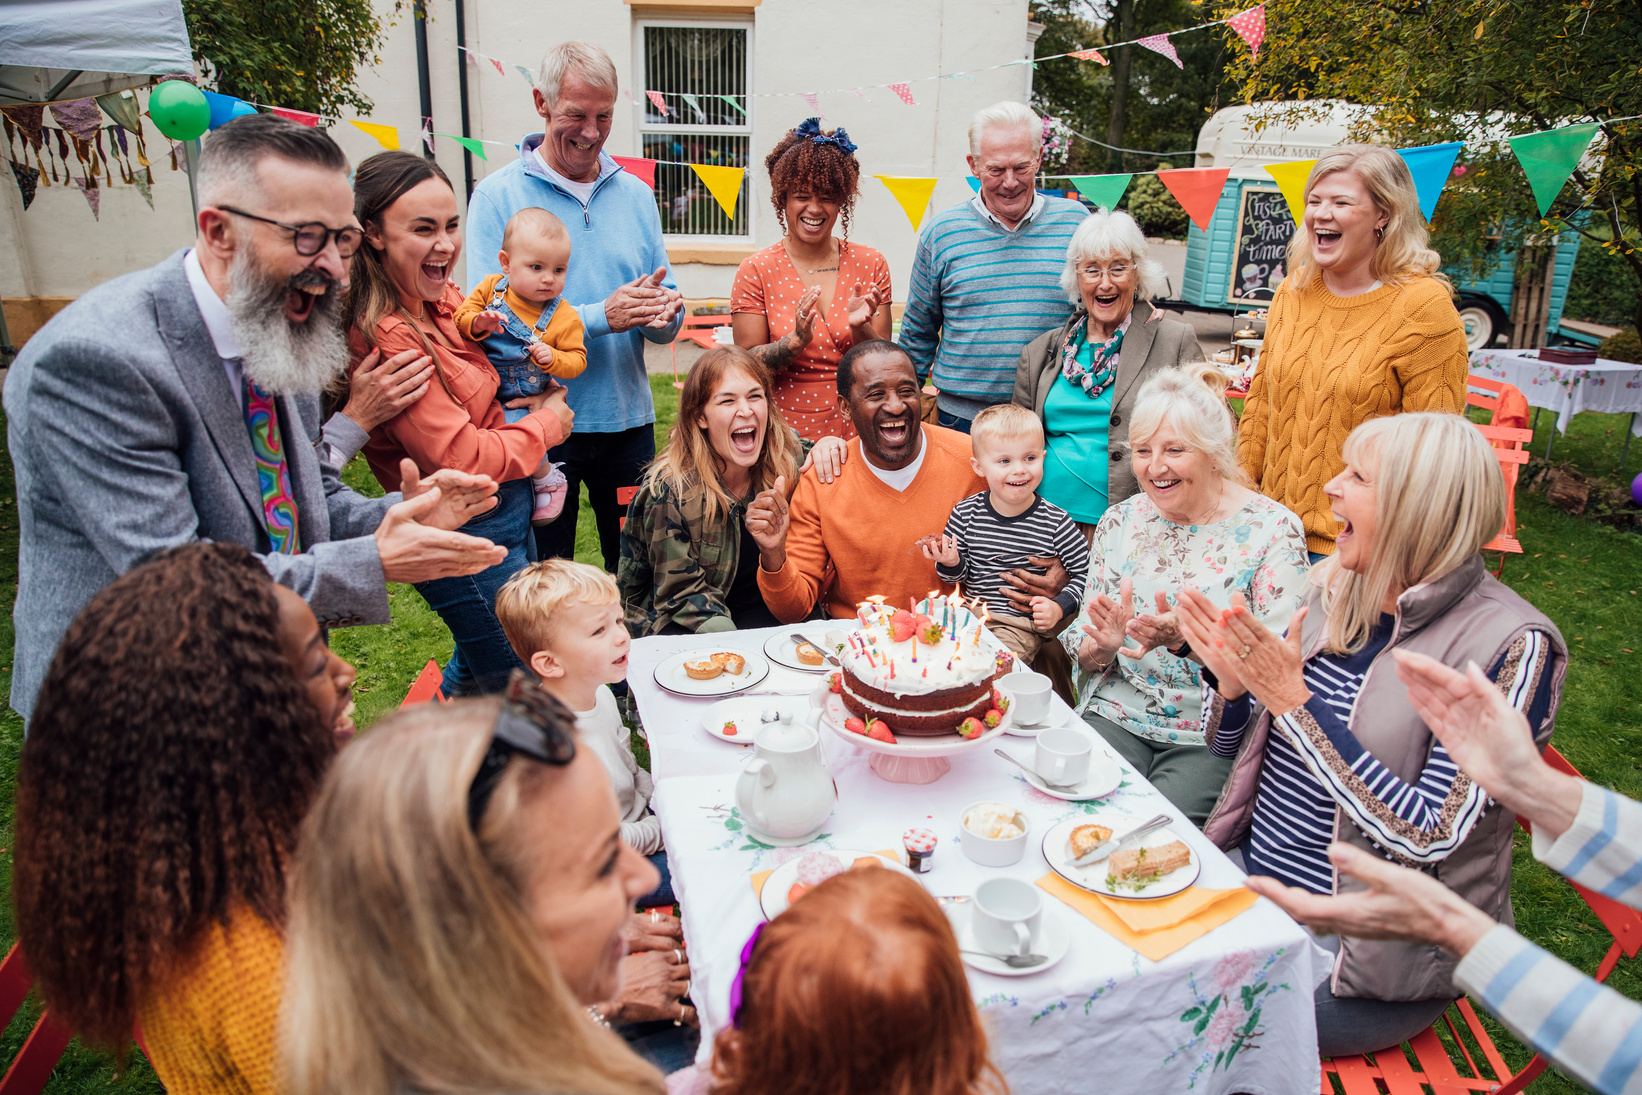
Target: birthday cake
x,y
924,670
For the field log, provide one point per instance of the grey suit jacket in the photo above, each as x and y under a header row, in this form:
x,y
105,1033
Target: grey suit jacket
x,y
1153,342
127,438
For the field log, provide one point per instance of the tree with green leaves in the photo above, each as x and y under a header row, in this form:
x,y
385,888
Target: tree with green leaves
x,y
294,53
1479,71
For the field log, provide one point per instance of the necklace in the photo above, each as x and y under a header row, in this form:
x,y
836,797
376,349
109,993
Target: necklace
x,y
1213,512
817,270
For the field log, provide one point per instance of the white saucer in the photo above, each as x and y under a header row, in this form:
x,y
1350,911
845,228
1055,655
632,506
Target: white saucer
x,y
1054,940
670,674
782,647
1060,713
743,712
1105,776
1058,852
772,897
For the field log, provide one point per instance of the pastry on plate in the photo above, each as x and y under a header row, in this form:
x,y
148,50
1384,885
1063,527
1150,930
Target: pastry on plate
x,y
808,655
1086,838
731,662
703,669
1136,864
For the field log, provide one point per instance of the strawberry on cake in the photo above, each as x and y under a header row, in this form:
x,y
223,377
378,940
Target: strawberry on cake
x,y
922,670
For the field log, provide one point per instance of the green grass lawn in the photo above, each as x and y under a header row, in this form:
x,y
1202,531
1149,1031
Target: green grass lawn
x,y
1584,575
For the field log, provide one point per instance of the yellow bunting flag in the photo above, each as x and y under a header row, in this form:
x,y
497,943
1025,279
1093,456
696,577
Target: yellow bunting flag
x,y
913,194
1291,180
723,183
386,135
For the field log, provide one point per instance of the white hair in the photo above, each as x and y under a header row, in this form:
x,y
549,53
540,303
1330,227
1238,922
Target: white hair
x,y
585,59
1112,234
1192,399
1005,115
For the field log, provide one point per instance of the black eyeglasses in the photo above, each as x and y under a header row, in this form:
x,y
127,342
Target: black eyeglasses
x,y
531,723
310,238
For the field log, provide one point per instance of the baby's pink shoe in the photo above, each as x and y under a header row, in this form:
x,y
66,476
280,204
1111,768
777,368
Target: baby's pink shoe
x,y
550,492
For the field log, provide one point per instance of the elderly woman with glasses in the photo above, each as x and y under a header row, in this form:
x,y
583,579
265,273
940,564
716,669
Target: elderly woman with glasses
x,y
1081,377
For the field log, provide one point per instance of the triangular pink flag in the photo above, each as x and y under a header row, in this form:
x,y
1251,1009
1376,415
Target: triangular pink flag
x,y
905,93
1251,25
473,58
301,117
93,195
659,103
628,95
427,133
1090,55
500,71
862,94
1159,43
814,101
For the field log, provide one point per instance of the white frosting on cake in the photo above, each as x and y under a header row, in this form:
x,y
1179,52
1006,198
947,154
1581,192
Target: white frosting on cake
x,y
963,655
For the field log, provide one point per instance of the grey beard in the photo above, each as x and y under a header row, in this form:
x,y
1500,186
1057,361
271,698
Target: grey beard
x,y
281,357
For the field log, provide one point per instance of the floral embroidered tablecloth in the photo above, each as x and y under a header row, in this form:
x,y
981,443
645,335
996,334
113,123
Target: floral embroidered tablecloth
x,y
1611,387
1230,1012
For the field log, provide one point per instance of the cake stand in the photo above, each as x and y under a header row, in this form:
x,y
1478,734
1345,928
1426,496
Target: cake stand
x,y
911,759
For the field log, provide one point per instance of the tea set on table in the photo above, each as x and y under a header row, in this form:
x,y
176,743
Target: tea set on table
x,y
786,794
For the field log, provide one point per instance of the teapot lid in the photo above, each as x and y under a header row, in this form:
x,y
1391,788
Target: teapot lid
x,y
785,735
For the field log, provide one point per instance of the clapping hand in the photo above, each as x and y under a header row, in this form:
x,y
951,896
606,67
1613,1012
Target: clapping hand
x,y
863,306
642,302
1271,663
488,322
1200,623
1150,631
942,549
806,315
462,496
1107,627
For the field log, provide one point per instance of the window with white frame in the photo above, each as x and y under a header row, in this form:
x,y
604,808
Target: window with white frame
x,y
700,71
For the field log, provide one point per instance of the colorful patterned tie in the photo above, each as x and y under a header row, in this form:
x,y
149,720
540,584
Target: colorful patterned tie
x,y
273,476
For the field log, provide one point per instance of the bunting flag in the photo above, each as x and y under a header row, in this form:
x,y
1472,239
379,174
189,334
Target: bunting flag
x,y
628,95
93,194
145,186
1251,27
1089,55
80,117
300,117
813,101
974,184
500,71
474,146
723,183
912,193
1291,180
734,105
1549,158
28,179
427,133
29,119
1105,191
1430,165
659,103
525,72
1159,43
862,95
642,169
123,110
386,135
904,93
1197,189
695,106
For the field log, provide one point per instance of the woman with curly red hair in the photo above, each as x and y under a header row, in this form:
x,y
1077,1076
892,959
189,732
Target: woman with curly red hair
x,y
181,732
800,303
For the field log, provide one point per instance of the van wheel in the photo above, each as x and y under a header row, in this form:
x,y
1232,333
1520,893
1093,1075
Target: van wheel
x,y
1483,320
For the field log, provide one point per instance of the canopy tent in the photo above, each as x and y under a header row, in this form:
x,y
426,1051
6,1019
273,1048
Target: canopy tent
x,y
69,49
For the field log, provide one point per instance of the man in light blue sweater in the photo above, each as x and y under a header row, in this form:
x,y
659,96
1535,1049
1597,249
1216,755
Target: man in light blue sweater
x,y
617,281
986,278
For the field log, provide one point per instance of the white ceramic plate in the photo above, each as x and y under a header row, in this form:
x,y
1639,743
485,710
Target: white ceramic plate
x,y
1058,852
833,714
670,674
782,647
773,897
1060,714
1054,940
745,711
1104,777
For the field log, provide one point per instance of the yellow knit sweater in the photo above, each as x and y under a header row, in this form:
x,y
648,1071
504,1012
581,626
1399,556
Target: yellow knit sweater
x,y
1331,363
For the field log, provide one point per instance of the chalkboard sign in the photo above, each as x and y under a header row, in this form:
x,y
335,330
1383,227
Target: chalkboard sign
x,y
1264,226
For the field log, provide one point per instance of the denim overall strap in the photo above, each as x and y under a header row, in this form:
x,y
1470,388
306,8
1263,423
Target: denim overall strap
x,y
530,336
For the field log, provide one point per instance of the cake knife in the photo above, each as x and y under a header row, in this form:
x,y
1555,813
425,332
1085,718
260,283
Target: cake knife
x,y
1101,851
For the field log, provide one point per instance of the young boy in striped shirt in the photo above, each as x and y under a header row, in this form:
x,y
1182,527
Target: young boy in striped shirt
x,y
1005,526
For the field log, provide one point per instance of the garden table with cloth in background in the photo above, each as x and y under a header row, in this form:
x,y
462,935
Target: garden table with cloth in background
x,y
1105,1018
1611,387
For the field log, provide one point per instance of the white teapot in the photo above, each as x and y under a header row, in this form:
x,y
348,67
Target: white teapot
x,y
785,794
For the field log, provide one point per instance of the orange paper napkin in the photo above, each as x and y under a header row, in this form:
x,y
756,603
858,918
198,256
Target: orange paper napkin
x,y
761,877
1154,928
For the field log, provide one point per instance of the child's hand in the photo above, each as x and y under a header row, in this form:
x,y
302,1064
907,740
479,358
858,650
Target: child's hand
x,y
542,354
487,322
941,549
1046,613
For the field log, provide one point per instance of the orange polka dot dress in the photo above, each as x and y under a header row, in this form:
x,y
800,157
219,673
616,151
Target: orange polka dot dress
x,y
768,284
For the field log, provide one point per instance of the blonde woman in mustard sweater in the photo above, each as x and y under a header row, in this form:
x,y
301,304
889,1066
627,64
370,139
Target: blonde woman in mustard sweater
x,y
1363,327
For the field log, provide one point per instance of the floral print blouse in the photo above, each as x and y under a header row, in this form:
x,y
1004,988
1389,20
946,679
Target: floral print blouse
x,y
1259,551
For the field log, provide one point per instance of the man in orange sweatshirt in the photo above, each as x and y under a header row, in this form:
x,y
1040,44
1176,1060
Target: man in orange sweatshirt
x,y
898,485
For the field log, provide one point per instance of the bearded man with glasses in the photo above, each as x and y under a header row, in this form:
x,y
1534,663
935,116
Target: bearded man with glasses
x,y
181,403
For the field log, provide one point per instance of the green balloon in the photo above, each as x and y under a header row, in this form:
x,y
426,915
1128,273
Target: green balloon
x,y
179,110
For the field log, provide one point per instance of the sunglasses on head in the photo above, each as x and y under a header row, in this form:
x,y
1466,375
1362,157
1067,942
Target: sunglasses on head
x,y
531,723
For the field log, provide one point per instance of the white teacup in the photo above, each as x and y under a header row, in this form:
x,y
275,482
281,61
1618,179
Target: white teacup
x,y
1028,696
1063,756
1008,915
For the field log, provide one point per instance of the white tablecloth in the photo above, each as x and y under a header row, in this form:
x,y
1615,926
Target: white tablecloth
x,y
1104,1015
1611,387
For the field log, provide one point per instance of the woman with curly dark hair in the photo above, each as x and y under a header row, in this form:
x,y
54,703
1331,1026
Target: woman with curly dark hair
x,y
800,303
181,732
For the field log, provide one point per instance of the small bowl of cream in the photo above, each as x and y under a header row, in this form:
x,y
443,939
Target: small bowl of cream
x,y
994,835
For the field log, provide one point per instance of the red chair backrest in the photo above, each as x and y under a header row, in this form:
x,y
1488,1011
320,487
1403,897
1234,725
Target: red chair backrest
x,y
426,686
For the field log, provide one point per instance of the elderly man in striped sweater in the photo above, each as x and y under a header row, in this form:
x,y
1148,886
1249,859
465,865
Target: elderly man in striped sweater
x,y
1589,833
986,278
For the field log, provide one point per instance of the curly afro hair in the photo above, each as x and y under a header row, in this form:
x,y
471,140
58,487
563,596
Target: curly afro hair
x,y
171,758
799,165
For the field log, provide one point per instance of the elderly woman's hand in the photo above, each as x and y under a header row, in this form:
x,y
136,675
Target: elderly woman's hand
x,y
653,930
1103,640
1149,631
1271,663
1399,904
652,985
1199,622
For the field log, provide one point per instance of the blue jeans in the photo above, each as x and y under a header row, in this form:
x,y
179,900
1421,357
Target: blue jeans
x,y
951,421
1315,557
605,462
483,657
663,893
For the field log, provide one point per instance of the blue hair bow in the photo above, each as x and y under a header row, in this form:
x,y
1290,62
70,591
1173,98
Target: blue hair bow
x,y
811,128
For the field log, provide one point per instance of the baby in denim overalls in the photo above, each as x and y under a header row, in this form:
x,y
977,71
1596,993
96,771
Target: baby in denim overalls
x,y
528,333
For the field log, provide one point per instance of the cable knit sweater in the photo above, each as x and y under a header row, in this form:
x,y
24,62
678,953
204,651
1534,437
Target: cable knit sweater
x,y
1330,364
